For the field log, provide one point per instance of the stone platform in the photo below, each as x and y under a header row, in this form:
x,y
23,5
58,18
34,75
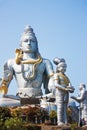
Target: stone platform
x,y
52,127
29,101
55,127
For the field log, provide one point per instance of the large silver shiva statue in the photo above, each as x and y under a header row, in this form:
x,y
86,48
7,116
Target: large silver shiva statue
x,y
63,87
82,100
29,68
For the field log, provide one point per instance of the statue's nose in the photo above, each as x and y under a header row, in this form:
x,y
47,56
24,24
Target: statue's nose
x,y
29,42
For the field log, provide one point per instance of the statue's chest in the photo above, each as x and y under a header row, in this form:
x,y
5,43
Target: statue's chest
x,y
63,80
29,68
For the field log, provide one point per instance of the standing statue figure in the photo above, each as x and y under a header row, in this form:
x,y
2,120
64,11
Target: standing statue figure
x,y
63,87
29,68
82,100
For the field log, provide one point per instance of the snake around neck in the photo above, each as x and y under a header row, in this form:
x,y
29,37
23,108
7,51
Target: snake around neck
x,y
19,60
34,64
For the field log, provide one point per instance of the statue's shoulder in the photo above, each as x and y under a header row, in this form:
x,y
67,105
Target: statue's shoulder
x,y
46,61
48,66
11,61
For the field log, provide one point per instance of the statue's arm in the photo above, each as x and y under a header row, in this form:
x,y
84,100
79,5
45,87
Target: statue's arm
x,y
68,88
80,97
60,87
49,79
57,84
75,98
7,77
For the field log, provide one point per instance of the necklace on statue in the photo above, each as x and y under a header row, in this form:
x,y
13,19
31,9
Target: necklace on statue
x,y
31,74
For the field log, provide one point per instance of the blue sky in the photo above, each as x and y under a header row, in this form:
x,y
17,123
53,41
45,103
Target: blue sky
x,y
60,27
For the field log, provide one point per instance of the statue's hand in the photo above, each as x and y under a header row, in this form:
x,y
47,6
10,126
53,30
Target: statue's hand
x,y
3,89
70,89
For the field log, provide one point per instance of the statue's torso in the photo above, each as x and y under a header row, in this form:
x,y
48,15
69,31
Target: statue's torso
x,y
63,81
29,77
24,73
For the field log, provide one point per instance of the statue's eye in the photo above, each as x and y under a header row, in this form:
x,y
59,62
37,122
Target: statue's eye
x,y
26,40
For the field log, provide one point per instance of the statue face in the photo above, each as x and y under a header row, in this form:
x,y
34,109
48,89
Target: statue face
x,y
29,45
62,69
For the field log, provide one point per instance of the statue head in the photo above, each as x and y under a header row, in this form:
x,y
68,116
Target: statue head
x,y
28,41
82,86
61,64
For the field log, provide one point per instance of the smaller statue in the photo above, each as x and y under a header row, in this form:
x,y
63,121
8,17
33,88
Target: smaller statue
x,y
82,100
63,87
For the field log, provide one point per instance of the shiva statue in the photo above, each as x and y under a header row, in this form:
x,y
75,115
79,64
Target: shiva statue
x,y
82,100
30,70
62,89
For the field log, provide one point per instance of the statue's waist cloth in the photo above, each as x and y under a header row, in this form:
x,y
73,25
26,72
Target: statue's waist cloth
x,y
29,92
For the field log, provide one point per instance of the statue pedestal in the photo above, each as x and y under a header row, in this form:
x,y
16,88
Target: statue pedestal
x,y
29,101
53,127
